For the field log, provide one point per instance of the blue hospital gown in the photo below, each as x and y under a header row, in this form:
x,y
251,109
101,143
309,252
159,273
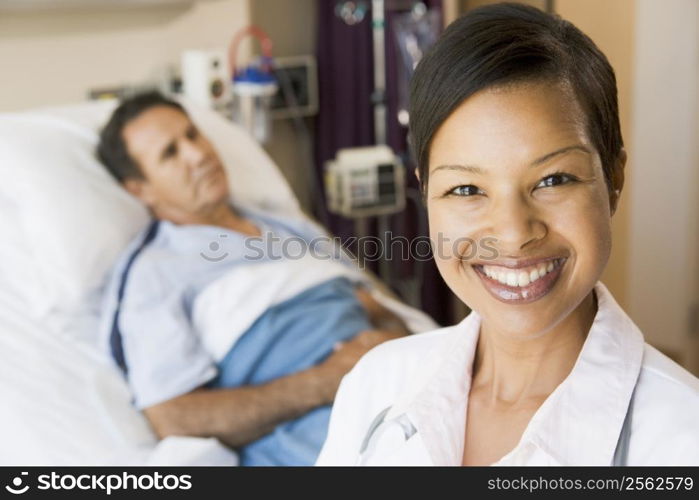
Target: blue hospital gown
x,y
288,338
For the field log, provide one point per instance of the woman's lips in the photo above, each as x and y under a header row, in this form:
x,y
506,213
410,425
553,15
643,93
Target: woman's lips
x,y
524,294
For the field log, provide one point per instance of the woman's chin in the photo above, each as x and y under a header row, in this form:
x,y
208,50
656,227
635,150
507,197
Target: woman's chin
x,y
532,320
519,325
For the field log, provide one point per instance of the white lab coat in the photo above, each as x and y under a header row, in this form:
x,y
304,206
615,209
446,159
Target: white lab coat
x,y
428,376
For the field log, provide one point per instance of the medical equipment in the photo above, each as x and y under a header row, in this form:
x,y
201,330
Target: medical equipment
x,y
365,181
205,78
298,87
348,186
415,32
253,87
351,12
403,429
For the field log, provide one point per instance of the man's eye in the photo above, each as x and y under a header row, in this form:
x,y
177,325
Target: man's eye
x,y
192,133
170,151
468,190
556,180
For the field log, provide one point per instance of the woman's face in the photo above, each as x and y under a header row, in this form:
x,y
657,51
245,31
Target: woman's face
x,y
518,206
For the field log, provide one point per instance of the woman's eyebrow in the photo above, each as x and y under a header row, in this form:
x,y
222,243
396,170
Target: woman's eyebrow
x,y
473,169
464,168
558,152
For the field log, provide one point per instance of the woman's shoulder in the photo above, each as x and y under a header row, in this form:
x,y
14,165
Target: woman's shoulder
x,y
658,370
389,369
371,387
666,412
404,354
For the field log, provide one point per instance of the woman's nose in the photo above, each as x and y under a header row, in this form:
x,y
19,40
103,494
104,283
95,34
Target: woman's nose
x,y
515,224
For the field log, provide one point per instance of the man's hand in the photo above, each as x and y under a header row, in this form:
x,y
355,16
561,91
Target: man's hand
x,y
381,317
346,355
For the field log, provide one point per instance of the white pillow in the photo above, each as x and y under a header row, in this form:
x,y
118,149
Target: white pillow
x,y
69,218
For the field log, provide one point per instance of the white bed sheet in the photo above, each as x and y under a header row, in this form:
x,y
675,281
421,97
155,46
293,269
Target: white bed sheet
x,y
64,404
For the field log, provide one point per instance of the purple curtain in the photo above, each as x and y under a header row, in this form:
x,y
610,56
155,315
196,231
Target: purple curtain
x,y
346,119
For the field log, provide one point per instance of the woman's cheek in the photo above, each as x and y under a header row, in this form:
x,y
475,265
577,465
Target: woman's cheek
x,y
586,226
452,238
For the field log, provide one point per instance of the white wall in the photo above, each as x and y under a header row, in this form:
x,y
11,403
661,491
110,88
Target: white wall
x,y
54,57
292,26
663,271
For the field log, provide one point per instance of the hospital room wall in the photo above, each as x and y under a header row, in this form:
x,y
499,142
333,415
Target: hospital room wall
x,y
292,27
664,202
53,57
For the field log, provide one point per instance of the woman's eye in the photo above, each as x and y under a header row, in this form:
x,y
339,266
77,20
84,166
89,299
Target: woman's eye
x,y
555,180
468,190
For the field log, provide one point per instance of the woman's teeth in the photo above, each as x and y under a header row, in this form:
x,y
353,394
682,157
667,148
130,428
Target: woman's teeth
x,y
521,277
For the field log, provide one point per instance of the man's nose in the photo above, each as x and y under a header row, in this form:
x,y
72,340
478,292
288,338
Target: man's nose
x,y
193,153
516,223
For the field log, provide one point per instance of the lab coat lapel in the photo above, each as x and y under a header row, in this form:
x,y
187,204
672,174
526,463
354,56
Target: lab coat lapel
x,y
580,423
437,406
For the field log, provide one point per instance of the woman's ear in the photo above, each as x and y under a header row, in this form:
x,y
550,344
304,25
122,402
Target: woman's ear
x,y
417,174
617,180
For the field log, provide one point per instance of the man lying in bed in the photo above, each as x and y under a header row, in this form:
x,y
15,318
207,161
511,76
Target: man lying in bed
x,y
268,394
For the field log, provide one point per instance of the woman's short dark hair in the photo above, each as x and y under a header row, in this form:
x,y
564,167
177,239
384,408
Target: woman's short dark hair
x,y
508,43
112,150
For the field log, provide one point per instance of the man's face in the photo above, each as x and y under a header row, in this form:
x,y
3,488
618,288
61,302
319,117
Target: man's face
x,y
515,168
183,175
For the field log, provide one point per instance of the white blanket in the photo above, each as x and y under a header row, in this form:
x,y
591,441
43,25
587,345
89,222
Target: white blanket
x,y
230,305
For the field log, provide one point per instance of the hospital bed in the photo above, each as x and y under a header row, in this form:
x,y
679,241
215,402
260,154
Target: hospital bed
x,y
64,221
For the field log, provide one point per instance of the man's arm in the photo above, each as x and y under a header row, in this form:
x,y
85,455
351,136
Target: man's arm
x,y
238,416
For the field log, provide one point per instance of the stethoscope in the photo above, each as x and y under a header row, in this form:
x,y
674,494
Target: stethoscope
x,y
403,428
380,427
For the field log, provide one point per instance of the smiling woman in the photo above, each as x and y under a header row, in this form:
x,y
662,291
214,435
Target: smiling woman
x,y
514,125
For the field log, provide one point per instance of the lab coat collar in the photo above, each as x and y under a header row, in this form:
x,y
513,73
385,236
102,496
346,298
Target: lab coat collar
x,y
436,399
578,424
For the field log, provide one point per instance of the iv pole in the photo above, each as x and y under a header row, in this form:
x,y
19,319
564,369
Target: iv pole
x,y
410,288
378,98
